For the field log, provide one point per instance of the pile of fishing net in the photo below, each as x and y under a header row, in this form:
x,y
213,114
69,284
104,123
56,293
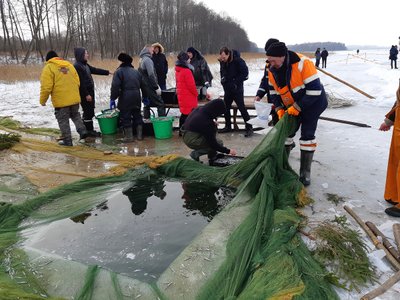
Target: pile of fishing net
x,y
265,256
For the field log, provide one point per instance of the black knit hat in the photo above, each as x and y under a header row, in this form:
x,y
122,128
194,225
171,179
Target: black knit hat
x,y
51,54
191,50
269,43
183,56
278,49
125,58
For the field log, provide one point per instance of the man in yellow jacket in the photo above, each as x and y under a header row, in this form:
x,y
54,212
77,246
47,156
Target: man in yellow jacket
x,y
60,80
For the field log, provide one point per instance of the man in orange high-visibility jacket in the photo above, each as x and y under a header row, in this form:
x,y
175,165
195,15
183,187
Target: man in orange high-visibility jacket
x,y
295,88
392,188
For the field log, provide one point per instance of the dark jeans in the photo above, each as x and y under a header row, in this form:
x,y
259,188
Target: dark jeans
x,y
323,63
395,63
88,112
238,97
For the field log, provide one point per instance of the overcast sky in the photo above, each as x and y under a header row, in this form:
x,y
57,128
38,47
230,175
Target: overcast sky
x,y
353,22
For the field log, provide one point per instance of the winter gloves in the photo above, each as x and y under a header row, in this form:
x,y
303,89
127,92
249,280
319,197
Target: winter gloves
x,y
293,111
112,104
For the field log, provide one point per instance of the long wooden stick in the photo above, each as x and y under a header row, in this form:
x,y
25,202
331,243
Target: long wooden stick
x,y
392,280
385,241
396,233
344,122
383,288
376,242
346,83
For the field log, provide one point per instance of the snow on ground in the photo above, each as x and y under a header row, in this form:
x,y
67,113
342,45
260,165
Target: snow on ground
x,y
349,162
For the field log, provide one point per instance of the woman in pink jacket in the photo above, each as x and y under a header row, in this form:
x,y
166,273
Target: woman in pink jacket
x,y
185,87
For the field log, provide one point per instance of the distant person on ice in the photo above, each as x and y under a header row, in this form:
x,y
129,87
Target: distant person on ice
x,y
295,89
317,57
200,131
324,56
393,56
86,88
60,80
392,188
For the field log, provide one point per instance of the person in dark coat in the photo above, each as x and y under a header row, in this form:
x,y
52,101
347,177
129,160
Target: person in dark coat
x,y
324,56
200,131
263,89
160,64
151,91
234,72
317,57
126,85
201,71
86,88
185,87
393,56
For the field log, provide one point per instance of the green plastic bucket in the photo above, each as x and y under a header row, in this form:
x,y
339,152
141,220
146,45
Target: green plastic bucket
x,y
108,121
162,127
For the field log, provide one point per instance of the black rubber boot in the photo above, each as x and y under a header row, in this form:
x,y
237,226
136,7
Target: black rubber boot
x,y
305,166
139,132
83,133
128,134
66,142
249,130
393,211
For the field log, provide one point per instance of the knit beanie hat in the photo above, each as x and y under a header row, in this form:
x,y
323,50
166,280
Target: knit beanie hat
x,y
191,50
278,49
269,43
125,58
183,56
51,54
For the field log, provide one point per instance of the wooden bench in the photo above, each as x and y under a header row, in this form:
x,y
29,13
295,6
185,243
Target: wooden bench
x,y
248,102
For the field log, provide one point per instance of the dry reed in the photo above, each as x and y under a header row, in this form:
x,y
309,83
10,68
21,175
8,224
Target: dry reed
x,y
11,73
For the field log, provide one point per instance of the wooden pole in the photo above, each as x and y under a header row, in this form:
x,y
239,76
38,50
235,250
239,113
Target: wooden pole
x,y
374,239
346,83
385,241
345,122
396,233
392,280
383,288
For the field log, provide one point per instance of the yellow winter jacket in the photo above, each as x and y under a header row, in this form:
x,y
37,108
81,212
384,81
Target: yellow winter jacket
x,y
60,80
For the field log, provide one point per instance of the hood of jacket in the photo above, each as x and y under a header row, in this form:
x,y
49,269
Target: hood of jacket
x,y
59,62
214,108
145,52
159,46
80,54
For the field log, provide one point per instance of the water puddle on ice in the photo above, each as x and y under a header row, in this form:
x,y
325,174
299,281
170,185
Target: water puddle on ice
x,y
138,231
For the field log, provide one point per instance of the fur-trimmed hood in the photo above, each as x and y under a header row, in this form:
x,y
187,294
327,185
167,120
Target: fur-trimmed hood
x,y
159,46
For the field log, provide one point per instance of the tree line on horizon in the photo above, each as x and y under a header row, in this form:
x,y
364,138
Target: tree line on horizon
x,y
312,47
108,27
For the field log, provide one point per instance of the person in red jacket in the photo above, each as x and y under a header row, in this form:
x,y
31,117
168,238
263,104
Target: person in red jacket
x,y
185,87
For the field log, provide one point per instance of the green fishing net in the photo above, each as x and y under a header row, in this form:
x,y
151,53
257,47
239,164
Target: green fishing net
x,y
265,257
